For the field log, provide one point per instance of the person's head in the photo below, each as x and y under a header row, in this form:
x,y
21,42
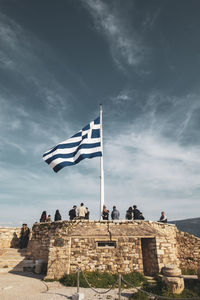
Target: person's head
x,y
134,206
114,207
82,204
57,211
74,206
162,213
49,216
130,208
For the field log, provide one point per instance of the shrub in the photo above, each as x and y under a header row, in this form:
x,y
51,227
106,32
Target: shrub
x,y
135,278
102,280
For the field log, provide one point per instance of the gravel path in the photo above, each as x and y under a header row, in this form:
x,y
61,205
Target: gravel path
x,y
28,286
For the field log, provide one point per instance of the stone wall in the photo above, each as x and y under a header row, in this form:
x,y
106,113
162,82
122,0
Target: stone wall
x,y
143,246
9,237
188,250
68,245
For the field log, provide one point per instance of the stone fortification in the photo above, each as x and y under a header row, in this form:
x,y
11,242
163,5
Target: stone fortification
x,y
188,247
114,246
119,246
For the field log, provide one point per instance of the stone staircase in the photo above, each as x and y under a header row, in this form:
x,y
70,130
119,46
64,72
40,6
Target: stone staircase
x,y
15,260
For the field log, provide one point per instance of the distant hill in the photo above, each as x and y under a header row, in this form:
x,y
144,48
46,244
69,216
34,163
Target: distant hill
x,y
188,225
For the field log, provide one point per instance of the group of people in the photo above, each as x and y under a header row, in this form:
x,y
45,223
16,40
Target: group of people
x,y
81,213
45,218
133,213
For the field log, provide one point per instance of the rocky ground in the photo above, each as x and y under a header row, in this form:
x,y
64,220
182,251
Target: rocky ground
x,y
28,286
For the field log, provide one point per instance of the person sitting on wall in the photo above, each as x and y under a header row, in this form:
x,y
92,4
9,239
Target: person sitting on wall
x,y
24,236
57,216
136,213
43,216
129,214
141,217
115,214
72,213
105,213
163,218
48,219
82,211
87,214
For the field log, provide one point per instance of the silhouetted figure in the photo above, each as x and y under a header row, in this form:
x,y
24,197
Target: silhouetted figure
x,y
163,218
105,213
129,214
87,214
115,214
57,216
136,213
82,211
141,217
24,236
72,213
43,216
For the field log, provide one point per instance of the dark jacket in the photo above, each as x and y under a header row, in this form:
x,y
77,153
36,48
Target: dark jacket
x,y
57,216
129,214
72,214
136,214
105,214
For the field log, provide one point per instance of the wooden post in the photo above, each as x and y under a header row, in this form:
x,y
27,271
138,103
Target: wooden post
x,y
119,286
78,280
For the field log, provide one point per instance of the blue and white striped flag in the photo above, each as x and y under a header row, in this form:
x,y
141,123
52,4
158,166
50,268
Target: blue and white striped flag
x,y
84,144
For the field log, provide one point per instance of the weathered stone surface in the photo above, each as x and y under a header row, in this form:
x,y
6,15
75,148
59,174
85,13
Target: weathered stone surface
x,y
80,242
171,271
9,237
175,284
138,245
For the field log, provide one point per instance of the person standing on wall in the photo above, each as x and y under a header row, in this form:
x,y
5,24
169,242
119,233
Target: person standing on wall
x,y
129,214
57,216
82,211
115,214
43,217
136,213
72,213
105,213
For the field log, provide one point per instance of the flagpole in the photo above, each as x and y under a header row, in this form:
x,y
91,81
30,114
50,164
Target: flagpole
x,y
101,166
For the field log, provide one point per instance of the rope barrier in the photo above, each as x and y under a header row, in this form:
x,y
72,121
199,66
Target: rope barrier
x,y
151,295
104,292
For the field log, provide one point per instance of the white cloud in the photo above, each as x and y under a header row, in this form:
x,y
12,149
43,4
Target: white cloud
x,y
125,45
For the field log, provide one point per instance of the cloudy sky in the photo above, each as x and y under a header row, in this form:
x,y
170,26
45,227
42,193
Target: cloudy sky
x,y
58,61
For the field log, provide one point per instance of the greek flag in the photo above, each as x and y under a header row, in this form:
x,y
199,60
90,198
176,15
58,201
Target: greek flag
x,y
84,144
